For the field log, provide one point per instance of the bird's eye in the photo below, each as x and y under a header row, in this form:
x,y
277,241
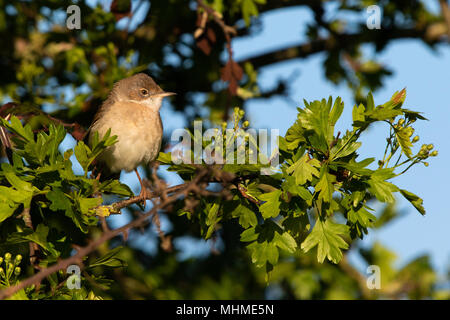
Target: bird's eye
x,y
143,91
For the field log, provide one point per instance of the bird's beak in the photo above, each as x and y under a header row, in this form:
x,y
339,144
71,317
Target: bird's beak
x,y
164,94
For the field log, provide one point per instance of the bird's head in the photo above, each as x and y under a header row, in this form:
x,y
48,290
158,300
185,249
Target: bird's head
x,y
141,89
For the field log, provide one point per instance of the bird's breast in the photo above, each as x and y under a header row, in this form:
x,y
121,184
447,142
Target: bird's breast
x,y
139,132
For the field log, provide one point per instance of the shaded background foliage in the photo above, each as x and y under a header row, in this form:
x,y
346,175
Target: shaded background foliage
x,y
67,73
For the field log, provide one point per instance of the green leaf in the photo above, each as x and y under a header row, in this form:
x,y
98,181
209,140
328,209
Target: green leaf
x,y
285,241
88,203
249,235
360,219
325,187
327,237
212,219
261,252
271,208
414,199
380,113
265,240
109,260
370,102
9,194
14,180
249,9
7,209
362,216
272,253
294,136
290,185
59,200
304,169
315,118
115,187
345,146
359,119
40,237
83,154
165,158
380,188
356,167
336,111
16,127
247,217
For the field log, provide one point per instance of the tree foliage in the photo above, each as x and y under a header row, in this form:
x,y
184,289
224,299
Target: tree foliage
x,y
290,230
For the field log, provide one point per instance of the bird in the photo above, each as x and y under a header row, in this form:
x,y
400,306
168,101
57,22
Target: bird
x,y
131,111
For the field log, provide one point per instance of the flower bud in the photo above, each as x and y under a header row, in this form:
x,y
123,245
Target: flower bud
x,y
7,257
1,260
241,113
2,273
246,124
18,259
426,164
236,110
17,271
423,153
415,139
434,153
401,122
430,147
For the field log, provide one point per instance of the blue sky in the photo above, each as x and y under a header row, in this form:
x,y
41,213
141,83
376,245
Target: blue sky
x,y
425,75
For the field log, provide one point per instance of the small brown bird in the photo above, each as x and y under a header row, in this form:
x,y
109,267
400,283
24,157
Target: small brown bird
x,y
132,112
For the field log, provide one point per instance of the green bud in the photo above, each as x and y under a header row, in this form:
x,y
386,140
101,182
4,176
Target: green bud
x,y
410,133
434,153
241,113
18,259
7,257
416,138
426,164
246,124
401,122
236,110
423,153
17,271
430,147
1,260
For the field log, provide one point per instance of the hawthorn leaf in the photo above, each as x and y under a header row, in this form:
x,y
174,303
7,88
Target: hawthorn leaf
x,y
327,236
415,200
304,169
325,187
271,208
380,188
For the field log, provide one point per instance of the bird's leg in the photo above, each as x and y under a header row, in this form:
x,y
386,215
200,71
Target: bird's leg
x,y
144,194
